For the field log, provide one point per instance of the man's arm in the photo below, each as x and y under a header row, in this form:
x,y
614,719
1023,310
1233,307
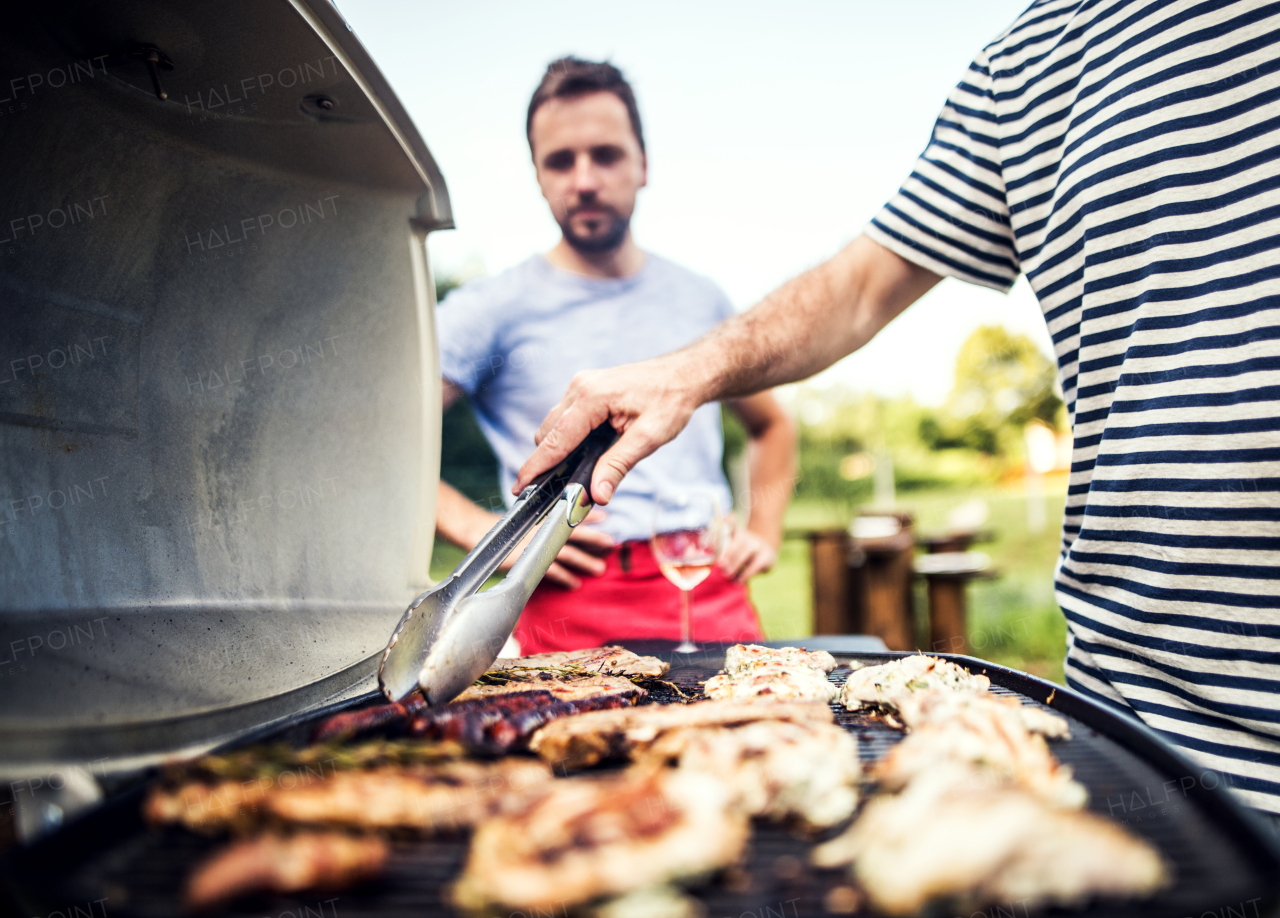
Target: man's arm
x,y
771,454
804,326
464,524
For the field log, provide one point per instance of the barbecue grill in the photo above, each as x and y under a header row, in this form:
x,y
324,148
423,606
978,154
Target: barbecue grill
x,y
219,396
1218,853
219,424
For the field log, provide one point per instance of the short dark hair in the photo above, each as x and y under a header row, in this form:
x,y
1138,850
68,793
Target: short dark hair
x,y
570,77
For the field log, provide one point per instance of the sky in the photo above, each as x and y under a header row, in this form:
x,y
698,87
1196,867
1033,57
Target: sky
x,y
774,132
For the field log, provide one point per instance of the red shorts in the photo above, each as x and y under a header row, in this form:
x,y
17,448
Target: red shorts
x,y
632,600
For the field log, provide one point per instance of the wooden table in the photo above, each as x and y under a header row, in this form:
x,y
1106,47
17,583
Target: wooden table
x,y
863,586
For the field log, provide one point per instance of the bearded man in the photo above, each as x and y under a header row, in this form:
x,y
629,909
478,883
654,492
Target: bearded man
x,y
512,343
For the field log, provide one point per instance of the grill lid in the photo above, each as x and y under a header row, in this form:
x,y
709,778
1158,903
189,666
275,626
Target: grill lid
x,y
219,395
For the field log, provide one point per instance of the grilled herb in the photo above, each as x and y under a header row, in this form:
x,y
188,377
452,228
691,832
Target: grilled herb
x,y
268,761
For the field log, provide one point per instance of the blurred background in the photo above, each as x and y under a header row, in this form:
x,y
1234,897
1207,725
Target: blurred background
x,y
774,132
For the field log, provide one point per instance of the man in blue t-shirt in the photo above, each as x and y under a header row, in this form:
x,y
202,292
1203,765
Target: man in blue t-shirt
x,y
512,344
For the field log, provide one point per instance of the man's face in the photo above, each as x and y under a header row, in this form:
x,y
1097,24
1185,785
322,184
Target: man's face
x,y
590,167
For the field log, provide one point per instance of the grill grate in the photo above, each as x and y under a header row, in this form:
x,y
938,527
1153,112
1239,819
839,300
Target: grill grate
x,y
140,870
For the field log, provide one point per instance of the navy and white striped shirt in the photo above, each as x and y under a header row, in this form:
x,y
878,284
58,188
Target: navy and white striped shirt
x,y
1125,156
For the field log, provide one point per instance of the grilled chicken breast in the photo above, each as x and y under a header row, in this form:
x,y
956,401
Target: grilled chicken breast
x,y
282,865
612,661
784,682
564,687
952,836
806,771
920,708
987,740
208,806
588,837
880,686
740,658
588,739
791,673
426,799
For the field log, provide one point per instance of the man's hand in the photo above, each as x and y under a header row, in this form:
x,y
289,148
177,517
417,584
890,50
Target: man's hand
x,y
747,555
805,326
647,403
582,554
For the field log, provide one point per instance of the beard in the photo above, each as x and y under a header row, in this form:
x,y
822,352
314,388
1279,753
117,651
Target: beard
x,y
605,240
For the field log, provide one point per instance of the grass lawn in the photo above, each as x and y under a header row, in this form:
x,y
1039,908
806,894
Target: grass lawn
x,y
1013,619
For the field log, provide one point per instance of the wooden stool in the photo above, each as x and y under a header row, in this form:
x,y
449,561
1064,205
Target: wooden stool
x,y
863,586
947,574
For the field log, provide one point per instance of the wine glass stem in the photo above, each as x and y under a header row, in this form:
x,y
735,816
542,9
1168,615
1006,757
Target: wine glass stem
x,y
686,618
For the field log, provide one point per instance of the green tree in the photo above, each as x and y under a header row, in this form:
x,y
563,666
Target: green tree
x,y
1004,379
466,460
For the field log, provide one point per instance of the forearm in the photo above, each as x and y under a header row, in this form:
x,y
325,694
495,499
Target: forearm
x,y
460,521
805,326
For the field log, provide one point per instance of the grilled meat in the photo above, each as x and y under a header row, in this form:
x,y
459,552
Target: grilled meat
x,y
274,864
587,837
880,686
497,724
389,719
752,671
612,660
918,709
952,836
203,807
740,658
417,718
778,769
989,738
568,687
585,740
428,799
789,683
984,813
489,723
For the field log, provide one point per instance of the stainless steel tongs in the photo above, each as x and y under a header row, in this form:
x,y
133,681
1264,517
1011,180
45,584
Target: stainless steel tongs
x,y
451,634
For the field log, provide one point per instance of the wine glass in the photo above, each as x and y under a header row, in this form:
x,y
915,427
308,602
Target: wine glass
x,y
688,536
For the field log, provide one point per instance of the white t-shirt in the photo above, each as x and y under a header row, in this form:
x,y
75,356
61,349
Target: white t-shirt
x,y
514,341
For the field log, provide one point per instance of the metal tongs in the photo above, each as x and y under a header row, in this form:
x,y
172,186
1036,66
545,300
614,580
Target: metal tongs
x,y
451,634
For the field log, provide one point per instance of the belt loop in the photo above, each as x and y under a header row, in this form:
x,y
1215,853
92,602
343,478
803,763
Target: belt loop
x,y
624,557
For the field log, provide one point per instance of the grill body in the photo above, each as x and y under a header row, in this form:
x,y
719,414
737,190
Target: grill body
x,y
219,404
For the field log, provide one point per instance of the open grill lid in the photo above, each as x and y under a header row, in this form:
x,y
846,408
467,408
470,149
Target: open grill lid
x,y
219,395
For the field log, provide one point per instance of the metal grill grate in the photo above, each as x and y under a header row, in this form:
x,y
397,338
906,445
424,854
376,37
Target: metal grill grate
x,y
140,870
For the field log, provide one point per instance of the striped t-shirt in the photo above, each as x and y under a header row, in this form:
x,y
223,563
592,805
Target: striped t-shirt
x,y
1125,156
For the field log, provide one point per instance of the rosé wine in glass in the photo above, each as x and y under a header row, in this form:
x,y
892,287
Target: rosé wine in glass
x,y
688,533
